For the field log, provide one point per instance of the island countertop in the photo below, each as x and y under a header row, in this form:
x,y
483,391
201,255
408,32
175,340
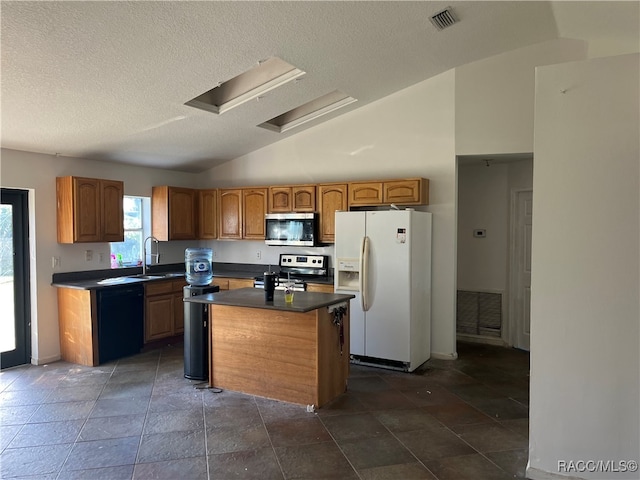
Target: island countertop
x,y
254,298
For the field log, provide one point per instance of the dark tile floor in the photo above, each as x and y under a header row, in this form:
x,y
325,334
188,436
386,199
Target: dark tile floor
x,y
140,418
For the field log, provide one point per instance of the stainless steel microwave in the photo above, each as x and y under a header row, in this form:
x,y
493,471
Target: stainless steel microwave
x,y
291,229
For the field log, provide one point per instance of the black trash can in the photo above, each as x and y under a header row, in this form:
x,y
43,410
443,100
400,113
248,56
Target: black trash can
x,y
196,333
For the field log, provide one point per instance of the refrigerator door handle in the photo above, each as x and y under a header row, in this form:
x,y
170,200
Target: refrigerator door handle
x,y
364,274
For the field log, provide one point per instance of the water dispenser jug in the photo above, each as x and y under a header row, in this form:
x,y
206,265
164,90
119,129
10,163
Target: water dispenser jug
x,y
198,267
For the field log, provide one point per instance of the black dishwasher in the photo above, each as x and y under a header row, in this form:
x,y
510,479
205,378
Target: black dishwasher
x,y
120,321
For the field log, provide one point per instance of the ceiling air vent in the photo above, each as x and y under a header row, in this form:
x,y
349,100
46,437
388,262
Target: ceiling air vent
x,y
443,19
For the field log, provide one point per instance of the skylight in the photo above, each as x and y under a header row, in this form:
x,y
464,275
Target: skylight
x,y
266,76
309,111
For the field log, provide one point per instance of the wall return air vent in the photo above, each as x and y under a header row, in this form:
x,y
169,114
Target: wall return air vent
x,y
309,111
443,19
266,76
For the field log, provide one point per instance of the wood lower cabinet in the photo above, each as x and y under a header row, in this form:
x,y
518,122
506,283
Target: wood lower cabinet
x,y
173,213
164,309
89,210
225,283
331,198
78,323
319,287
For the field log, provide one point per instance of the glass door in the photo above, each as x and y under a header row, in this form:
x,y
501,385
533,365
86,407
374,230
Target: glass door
x,y
15,321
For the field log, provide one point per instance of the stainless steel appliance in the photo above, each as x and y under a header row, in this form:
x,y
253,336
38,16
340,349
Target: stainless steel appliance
x,y
291,229
300,269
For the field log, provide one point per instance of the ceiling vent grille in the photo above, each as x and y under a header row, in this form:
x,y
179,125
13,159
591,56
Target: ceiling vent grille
x,y
443,19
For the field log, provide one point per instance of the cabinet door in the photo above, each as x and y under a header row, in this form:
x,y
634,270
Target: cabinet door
x,y
331,197
240,283
280,199
158,317
407,192
182,215
319,287
207,214
304,198
230,207
221,283
86,206
365,193
254,202
112,192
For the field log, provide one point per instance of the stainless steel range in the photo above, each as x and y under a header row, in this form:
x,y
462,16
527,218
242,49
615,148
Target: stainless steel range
x,y
299,269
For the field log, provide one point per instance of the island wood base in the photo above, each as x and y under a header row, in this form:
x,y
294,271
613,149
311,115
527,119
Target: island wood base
x,y
285,355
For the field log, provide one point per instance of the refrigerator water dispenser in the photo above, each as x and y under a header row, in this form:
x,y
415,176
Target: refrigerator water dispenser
x,y
348,277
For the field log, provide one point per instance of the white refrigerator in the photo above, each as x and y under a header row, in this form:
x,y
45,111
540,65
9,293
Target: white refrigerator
x,y
384,259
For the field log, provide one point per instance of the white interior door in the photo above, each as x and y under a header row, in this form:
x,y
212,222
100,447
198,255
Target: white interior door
x,y
522,269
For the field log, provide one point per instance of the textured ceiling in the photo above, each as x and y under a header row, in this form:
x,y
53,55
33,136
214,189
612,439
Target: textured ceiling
x,y
108,80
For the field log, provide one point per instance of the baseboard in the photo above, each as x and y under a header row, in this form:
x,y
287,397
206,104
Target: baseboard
x,y
45,360
466,337
536,474
444,356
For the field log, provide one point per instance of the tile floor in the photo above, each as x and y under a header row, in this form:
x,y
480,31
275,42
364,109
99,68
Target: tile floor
x,y
140,418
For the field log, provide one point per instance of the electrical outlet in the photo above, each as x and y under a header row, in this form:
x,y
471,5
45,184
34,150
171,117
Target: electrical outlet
x,y
215,254
101,257
88,255
55,262
259,254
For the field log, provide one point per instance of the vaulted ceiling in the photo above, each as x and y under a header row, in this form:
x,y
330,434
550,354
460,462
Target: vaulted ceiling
x,y
109,80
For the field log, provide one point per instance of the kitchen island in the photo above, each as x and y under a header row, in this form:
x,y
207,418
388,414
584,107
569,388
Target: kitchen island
x,y
296,352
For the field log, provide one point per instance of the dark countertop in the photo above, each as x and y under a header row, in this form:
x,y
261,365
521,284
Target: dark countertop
x,y
98,279
254,298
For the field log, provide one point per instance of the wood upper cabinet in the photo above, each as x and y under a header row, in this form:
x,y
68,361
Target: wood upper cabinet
x,y
365,193
413,191
230,213
173,213
304,198
208,214
89,210
254,208
331,197
280,200
242,212
294,198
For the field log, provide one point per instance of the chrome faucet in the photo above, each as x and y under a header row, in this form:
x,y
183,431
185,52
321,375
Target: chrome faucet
x,y
151,254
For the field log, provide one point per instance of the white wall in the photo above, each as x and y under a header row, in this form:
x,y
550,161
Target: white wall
x,y
408,134
494,97
483,203
585,267
37,172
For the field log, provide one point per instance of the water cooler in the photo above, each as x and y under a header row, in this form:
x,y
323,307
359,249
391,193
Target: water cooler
x,y
199,274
